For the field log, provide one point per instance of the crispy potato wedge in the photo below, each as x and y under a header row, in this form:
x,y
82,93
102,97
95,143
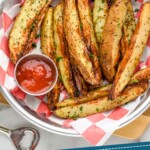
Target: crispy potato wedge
x,y
99,92
143,74
128,27
89,36
53,96
80,82
47,36
109,50
48,48
110,3
102,104
25,27
76,44
61,51
133,53
139,76
123,46
36,25
100,12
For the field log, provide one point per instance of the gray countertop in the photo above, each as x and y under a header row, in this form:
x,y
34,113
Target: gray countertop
x,y
49,141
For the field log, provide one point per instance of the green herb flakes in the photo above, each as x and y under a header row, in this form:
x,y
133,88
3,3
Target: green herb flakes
x,y
37,36
59,58
34,45
81,108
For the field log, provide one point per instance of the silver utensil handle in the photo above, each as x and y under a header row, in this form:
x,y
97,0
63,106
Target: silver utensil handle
x,y
4,131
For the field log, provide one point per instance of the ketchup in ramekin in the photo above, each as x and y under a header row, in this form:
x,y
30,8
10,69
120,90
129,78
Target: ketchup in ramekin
x,y
36,74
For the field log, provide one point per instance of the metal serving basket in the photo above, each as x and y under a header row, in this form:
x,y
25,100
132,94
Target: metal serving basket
x,y
55,128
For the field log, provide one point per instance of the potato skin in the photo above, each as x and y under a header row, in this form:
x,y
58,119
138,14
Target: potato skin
x,y
133,53
102,104
25,28
109,50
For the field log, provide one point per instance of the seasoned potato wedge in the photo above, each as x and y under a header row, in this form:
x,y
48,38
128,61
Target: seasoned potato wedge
x,y
76,44
128,27
143,74
100,12
48,48
133,53
109,50
53,96
110,3
139,76
61,51
47,36
79,80
102,104
102,91
25,27
89,35
35,28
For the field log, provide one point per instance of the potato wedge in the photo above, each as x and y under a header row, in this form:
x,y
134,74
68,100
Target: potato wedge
x,y
36,25
139,76
76,44
25,27
110,3
133,53
143,74
61,51
128,27
48,48
102,104
89,36
100,12
47,36
99,92
80,82
109,50
53,96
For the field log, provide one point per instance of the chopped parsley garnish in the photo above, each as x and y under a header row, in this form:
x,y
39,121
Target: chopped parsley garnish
x,y
60,78
91,55
34,45
100,9
81,108
58,59
134,81
136,10
37,36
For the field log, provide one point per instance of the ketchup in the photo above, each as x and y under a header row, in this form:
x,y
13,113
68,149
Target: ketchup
x,y
35,75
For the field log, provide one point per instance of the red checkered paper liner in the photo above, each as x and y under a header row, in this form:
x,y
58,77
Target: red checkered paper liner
x,y
97,128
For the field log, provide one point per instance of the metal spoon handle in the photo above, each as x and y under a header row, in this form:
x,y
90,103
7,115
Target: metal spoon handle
x,y
5,131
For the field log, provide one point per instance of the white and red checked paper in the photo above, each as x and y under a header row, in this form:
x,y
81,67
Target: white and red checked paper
x,y
96,129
